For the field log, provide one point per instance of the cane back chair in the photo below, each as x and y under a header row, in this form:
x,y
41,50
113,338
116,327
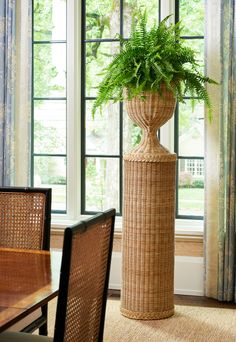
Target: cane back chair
x,y
25,219
83,286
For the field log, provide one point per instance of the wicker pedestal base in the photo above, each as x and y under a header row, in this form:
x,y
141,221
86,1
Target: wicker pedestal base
x,y
146,315
148,237
149,213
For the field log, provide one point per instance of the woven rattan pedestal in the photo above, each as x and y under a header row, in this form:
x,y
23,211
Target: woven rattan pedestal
x,y
148,222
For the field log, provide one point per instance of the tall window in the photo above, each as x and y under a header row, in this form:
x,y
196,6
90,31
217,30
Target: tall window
x,y
49,99
110,134
189,124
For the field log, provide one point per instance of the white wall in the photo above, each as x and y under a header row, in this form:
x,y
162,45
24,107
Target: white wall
x,y
189,273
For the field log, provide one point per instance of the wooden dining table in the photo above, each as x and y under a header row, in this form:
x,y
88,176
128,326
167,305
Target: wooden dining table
x,y
28,280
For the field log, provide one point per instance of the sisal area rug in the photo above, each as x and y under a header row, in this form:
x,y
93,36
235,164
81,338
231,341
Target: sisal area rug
x,y
189,324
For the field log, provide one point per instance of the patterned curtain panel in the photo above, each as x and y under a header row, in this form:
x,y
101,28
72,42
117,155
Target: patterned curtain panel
x,y
7,86
212,153
23,92
220,144
227,197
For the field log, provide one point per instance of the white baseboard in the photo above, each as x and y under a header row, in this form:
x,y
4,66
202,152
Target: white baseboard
x,y
189,272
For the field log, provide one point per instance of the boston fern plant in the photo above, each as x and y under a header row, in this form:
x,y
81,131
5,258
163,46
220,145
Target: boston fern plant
x,y
149,59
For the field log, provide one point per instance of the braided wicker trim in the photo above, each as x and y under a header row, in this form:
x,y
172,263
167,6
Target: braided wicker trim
x,y
149,157
146,315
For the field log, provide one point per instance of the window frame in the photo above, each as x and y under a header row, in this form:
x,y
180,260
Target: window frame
x,y
176,132
45,98
84,98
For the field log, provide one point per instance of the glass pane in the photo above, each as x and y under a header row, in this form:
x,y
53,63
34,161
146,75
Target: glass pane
x,y
131,8
102,184
102,132
198,46
131,133
191,129
191,187
192,17
98,56
49,20
50,127
102,19
50,172
49,70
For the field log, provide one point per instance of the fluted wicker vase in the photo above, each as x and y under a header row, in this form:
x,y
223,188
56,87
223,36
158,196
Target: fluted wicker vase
x,y
149,213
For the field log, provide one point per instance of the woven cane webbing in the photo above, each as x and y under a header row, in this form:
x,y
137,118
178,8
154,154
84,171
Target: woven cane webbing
x,y
22,219
155,109
150,114
148,240
86,283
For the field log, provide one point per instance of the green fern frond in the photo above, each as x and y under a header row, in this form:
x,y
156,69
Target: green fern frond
x,y
150,58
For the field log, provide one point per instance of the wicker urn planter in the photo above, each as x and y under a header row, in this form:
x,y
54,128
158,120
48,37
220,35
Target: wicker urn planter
x,y
149,212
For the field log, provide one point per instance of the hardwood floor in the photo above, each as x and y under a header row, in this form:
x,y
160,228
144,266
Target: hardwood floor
x,y
202,301
188,300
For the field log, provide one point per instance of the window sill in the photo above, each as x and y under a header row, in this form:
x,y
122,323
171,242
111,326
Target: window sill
x,y
189,227
182,227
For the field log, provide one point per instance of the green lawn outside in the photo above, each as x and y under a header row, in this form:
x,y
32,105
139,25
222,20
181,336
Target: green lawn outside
x,y
193,193
191,201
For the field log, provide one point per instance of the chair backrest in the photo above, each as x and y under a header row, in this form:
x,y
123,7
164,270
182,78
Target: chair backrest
x,y
25,217
84,279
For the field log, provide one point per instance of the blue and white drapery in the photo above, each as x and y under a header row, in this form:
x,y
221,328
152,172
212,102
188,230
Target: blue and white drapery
x,y
15,91
220,213
227,194
7,89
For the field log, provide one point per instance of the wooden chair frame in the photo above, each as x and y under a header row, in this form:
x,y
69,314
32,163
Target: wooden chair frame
x,y
65,272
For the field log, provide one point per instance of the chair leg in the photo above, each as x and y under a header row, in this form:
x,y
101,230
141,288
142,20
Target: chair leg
x,y
43,330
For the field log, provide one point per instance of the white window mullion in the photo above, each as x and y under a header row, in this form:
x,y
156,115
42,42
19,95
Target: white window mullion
x,y
167,8
167,130
73,108
73,113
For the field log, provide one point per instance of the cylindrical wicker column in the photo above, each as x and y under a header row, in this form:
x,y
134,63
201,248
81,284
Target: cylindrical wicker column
x,y
148,218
